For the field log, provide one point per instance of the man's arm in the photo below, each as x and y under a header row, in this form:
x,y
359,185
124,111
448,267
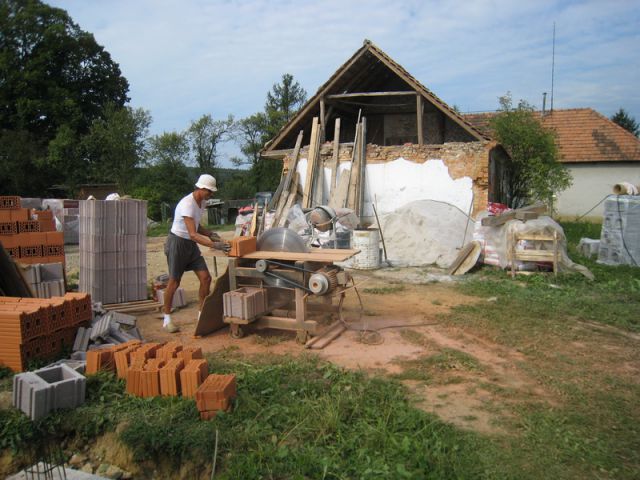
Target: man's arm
x,y
208,233
196,236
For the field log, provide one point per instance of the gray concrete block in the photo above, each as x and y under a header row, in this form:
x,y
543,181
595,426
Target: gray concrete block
x,y
68,386
136,333
123,319
51,272
78,365
79,356
100,327
81,342
33,395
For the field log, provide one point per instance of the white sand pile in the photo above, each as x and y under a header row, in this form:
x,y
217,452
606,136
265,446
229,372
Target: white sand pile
x,y
425,232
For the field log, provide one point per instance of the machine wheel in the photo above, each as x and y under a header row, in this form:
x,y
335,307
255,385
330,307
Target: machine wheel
x,y
302,336
236,331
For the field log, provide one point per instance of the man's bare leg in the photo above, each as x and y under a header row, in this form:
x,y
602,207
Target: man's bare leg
x,y
169,292
205,287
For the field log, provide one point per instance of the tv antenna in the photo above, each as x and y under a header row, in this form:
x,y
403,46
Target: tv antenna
x,y
553,64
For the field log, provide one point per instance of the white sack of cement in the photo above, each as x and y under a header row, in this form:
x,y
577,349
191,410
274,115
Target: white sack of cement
x,y
425,232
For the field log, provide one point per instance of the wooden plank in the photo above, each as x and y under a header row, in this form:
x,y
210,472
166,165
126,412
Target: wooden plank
x,y
323,125
339,197
352,194
419,120
254,220
523,213
336,157
313,148
318,177
293,166
371,94
340,256
290,201
362,178
212,315
467,258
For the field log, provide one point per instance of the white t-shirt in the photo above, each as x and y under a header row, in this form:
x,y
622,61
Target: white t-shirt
x,y
187,207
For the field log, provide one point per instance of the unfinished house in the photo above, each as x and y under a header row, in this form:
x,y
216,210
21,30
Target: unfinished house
x,y
373,135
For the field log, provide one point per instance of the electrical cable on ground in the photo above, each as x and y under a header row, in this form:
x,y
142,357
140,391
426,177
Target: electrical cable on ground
x,y
592,208
215,456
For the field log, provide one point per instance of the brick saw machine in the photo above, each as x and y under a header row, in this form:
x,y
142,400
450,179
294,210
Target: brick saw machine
x,y
276,281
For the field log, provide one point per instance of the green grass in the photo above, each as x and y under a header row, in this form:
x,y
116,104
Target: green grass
x,y
293,418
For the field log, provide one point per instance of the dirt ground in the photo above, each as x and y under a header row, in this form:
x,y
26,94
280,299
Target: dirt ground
x,y
408,326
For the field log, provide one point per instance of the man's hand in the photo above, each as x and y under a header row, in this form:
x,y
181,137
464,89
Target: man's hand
x,y
215,237
222,246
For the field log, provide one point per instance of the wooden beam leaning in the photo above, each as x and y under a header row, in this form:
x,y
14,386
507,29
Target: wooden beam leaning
x,y
363,166
313,148
335,160
323,126
282,219
419,120
291,174
353,194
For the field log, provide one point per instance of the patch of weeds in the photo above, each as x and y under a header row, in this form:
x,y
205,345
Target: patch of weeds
x,y
469,418
427,367
369,313
5,372
436,302
384,290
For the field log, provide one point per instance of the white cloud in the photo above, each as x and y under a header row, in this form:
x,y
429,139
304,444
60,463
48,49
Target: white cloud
x,y
186,58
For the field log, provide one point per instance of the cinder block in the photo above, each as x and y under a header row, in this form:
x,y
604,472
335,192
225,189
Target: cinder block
x,y
81,342
179,298
51,271
33,395
123,319
68,385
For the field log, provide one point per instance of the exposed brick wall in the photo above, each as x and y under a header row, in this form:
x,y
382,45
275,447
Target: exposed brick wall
x,y
463,159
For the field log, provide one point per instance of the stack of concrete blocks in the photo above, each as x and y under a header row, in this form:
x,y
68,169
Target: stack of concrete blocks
x,y
109,329
45,279
71,222
246,303
179,298
113,256
620,236
37,328
51,388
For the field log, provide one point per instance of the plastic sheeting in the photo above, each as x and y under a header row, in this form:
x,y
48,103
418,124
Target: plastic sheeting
x,y
496,244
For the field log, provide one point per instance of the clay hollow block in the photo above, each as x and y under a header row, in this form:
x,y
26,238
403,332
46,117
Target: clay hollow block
x,y
190,353
216,392
242,246
192,376
170,377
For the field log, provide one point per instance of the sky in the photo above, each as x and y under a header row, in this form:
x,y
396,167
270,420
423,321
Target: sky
x,y
186,58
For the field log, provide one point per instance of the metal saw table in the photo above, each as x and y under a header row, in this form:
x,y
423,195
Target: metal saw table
x,y
292,272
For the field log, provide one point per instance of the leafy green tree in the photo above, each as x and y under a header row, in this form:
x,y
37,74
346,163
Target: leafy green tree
x,y
205,134
282,103
626,121
166,179
535,174
55,81
116,144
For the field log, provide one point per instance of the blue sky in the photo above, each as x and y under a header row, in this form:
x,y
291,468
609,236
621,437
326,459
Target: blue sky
x,y
185,58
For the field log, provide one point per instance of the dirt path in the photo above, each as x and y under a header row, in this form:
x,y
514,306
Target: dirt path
x,y
470,393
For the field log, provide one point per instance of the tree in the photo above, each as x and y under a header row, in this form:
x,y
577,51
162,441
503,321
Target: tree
x,y
205,134
283,102
535,173
622,118
55,81
116,144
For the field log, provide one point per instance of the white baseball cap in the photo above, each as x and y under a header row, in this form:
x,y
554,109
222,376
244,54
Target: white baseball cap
x,y
208,182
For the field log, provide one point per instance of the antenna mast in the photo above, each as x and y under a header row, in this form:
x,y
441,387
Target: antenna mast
x,y
553,64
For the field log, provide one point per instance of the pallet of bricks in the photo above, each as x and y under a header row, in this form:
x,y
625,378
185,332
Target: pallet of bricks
x,y
166,369
29,236
40,328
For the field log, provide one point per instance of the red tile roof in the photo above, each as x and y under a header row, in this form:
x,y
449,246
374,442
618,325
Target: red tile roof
x,y
583,135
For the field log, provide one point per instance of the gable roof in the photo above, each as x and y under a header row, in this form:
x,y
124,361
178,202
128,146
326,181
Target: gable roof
x,y
582,135
367,63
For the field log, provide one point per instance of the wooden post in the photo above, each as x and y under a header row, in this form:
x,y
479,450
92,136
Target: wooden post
x,y
363,166
323,120
419,119
336,154
313,148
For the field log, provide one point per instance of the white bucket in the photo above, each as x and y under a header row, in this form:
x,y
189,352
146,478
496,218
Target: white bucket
x,y
368,242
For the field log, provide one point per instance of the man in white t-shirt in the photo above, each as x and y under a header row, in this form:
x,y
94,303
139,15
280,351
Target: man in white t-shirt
x,y
181,248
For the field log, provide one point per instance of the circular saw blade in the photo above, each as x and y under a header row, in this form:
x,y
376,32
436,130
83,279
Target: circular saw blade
x,y
281,239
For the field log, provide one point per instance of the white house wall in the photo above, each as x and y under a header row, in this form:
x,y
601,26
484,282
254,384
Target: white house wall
x,y
591,183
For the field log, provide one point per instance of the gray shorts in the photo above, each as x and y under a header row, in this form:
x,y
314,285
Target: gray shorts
x,y
182,256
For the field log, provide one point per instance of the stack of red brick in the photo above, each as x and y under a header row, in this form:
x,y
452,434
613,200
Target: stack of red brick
x,y
167,369
40,328
29,237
